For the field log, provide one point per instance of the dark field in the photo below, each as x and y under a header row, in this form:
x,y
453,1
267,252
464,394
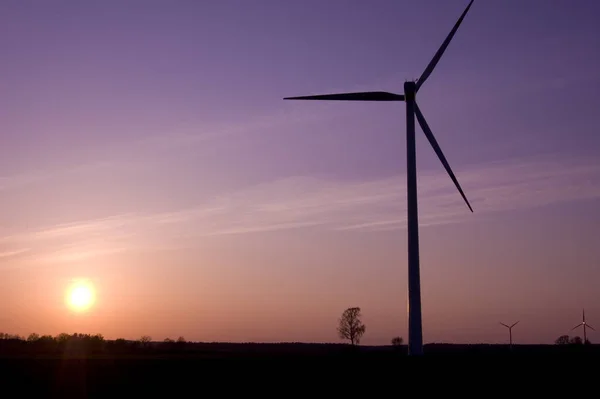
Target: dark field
x,y
78,370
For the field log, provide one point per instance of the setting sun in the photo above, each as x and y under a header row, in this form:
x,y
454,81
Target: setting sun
x,y
80,296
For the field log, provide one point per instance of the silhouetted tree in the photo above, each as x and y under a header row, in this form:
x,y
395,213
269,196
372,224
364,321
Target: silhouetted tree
x,y
181,340
46,343
14,337
562,340
350,326
33,337
397,341
576,341
62,338
120,345
96,342
145,340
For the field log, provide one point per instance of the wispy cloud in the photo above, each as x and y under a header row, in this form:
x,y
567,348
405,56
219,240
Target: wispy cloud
x,y
300,202
8,254
137,152
283,114
31,177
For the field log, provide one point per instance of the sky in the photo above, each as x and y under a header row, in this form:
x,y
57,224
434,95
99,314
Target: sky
x,y
146,147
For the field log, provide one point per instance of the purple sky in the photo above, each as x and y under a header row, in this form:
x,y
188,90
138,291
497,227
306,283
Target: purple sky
x,y
146,147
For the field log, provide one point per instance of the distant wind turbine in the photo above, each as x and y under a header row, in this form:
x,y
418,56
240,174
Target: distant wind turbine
x,y
415,328
510,331
585,327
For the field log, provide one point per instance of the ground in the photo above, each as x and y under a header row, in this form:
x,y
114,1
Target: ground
x,y
139,369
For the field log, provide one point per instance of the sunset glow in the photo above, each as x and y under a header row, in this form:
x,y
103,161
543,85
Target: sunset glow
x,y
80,296
155,183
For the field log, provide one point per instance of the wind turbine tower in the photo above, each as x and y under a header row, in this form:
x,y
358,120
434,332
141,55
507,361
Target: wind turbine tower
x,y
415,328
510,331
585,327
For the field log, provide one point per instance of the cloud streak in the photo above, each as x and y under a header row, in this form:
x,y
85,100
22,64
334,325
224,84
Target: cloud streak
x,y
308,202
8,254
139,152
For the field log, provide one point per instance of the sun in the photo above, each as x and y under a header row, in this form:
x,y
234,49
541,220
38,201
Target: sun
x,y
81,296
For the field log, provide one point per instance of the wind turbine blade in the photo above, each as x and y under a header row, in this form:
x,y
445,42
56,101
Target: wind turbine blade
x,y
440,52
515,324
504,325
360,96
590,327
578,325
438,151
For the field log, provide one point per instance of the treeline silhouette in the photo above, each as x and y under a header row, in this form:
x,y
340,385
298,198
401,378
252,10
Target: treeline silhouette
x,y
86,345
350,327
83,344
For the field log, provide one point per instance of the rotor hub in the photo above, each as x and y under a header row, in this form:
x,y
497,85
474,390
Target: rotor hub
x,y
410,89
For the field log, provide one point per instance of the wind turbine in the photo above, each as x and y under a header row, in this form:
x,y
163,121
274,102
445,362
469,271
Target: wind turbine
x,y
415,329
510,331
585,327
